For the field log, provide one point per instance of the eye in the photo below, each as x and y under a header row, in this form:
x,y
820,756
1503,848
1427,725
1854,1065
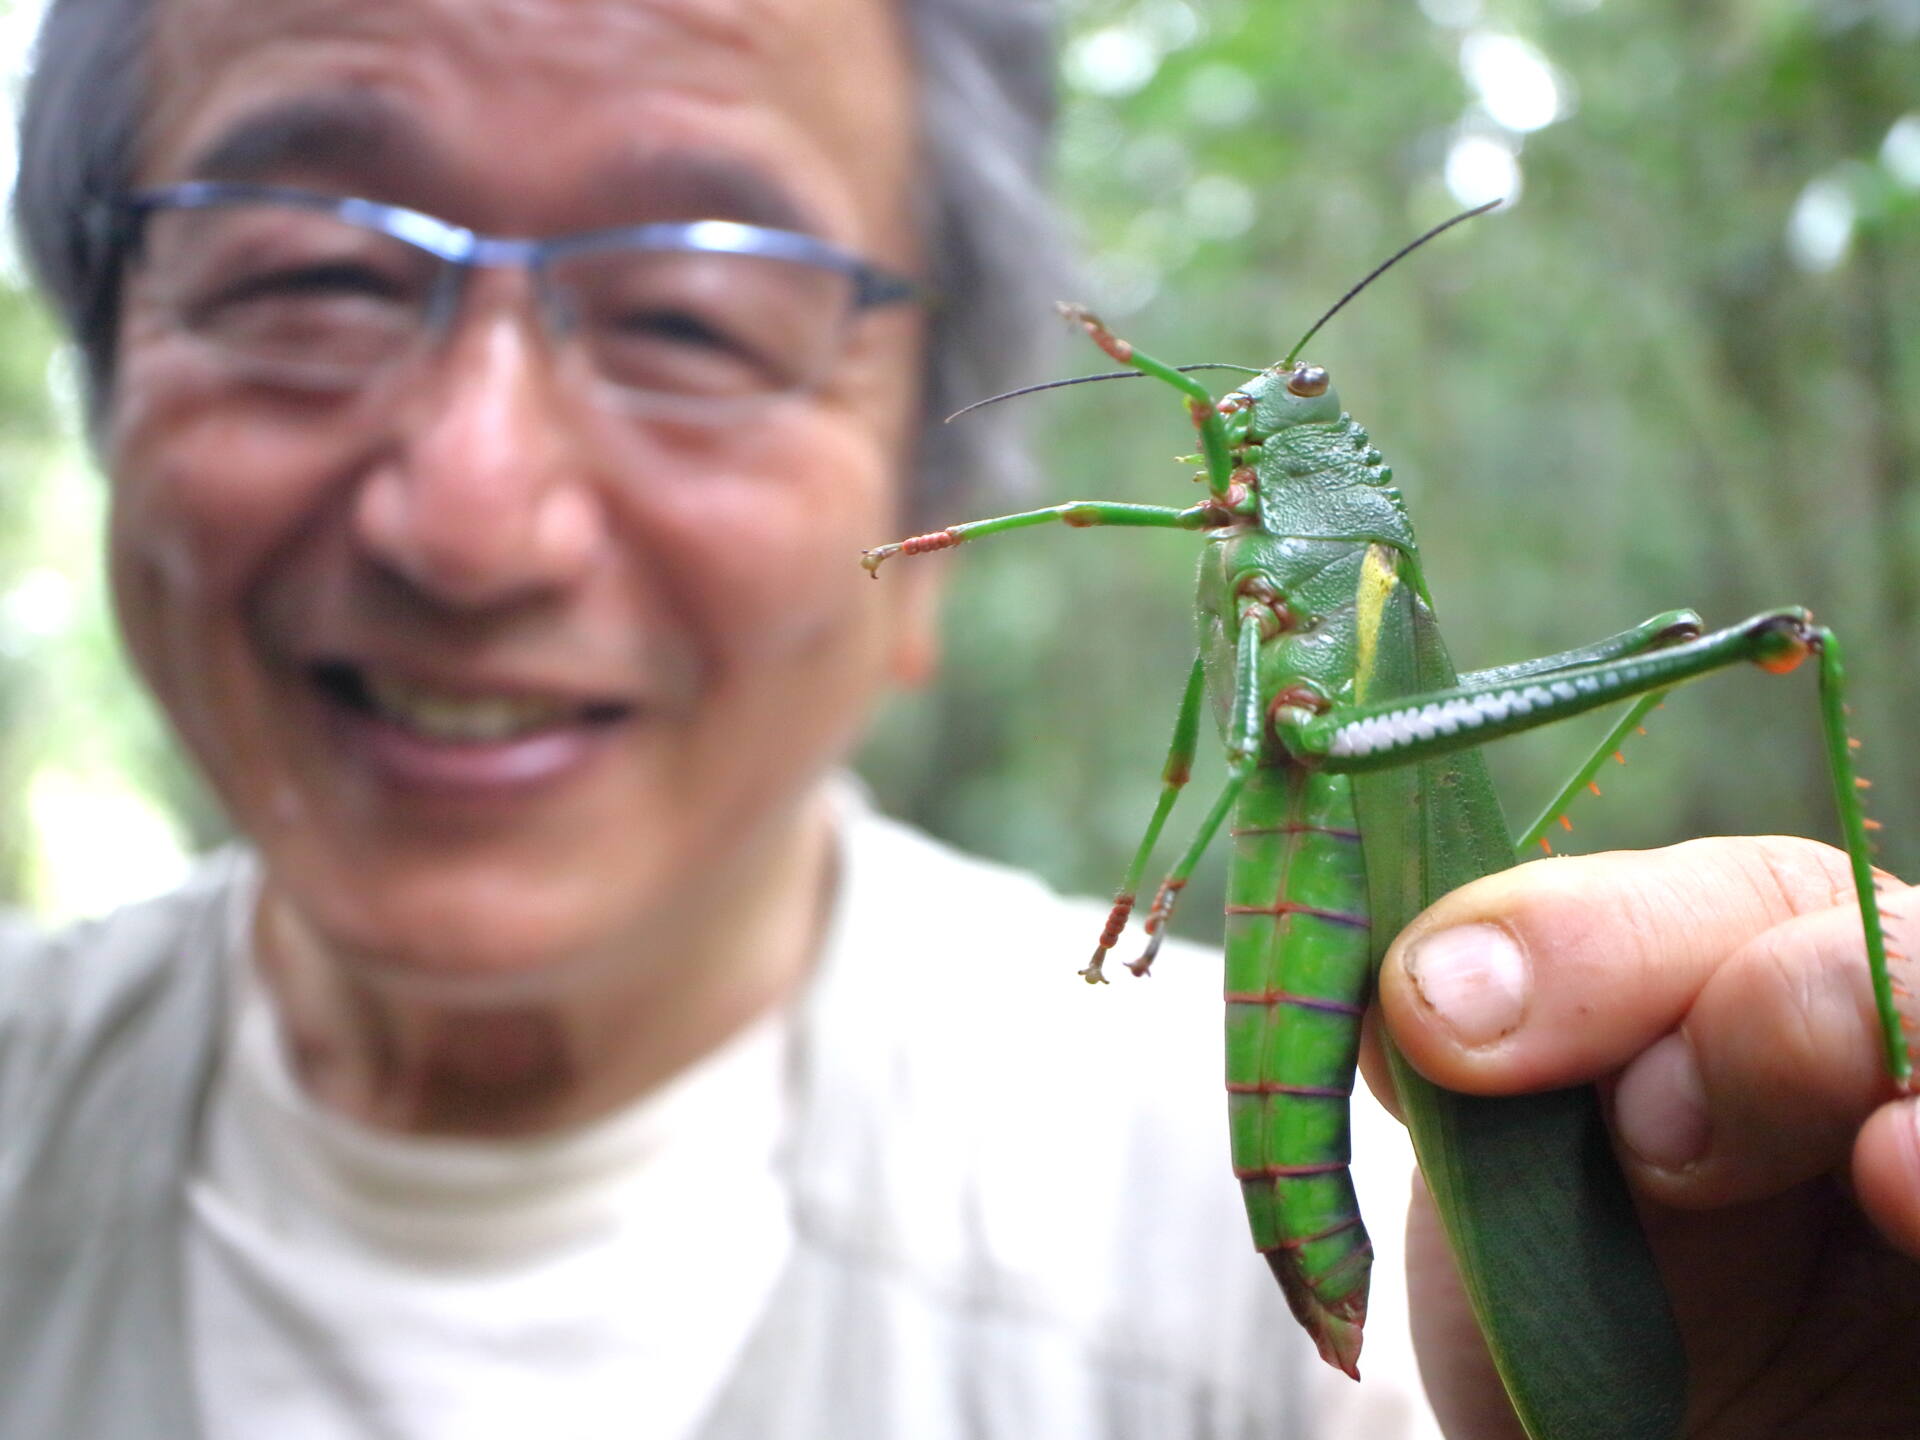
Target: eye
x,y
246,302
666,331
680,326
310,280
674,350
1307,381
665,323
697,324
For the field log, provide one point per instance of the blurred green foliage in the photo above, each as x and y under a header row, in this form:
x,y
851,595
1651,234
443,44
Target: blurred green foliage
x,y
1679,369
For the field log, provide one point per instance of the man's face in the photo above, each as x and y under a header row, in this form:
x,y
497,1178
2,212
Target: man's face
x,y
333,594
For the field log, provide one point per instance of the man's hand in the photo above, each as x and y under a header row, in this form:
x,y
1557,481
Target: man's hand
x,y
1719,993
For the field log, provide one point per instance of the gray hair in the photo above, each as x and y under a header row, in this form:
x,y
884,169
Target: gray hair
x,y
995,257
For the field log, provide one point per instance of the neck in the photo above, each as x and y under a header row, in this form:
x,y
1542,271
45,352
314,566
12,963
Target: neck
x,y
598,1034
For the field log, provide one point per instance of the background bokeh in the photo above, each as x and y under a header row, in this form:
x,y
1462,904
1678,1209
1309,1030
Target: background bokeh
x,y
1682,366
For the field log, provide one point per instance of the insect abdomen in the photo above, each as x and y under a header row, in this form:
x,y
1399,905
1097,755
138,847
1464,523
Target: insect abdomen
x,y
1297,967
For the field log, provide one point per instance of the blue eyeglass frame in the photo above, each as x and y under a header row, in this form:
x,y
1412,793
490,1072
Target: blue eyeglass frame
x,y
466,249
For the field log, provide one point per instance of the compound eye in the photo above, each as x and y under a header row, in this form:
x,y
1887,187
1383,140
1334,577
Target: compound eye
x,y
1307,380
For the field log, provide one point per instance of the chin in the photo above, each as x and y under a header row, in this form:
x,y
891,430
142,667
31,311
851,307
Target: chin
x,y
480,932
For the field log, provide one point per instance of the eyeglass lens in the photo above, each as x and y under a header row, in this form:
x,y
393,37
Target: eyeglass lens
x,y
306,298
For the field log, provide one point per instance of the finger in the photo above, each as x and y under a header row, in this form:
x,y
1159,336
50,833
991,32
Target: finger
x,y
1768,1077
1373,1066
1561,971
1886,1172
1461,1383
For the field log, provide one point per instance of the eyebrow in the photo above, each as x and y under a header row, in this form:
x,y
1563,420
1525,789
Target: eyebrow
x,y
342,132
701,185
356,136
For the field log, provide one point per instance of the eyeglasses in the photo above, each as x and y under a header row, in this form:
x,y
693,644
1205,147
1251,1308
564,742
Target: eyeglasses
x,y
321,292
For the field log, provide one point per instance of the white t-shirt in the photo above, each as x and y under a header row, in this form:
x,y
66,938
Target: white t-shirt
x,y
940,1114
346,1282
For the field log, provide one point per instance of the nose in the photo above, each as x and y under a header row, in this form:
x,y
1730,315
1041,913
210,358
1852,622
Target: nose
x,y
487,497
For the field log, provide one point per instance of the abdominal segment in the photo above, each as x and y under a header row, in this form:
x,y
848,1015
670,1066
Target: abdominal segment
x,y
1297,976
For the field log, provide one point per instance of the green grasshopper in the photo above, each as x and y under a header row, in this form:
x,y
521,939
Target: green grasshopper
x,y
1358,798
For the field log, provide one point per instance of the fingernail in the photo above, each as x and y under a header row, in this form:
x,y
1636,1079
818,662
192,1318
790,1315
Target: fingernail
x,y
1660,1106
1474,977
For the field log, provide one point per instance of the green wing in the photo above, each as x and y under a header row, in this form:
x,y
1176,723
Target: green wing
x,y
1534,1203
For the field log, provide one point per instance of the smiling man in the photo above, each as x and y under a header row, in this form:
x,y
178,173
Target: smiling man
x,y
497,395
508,608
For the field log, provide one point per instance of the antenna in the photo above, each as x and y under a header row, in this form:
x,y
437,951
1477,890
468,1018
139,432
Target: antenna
x,y
1381,269
1089,379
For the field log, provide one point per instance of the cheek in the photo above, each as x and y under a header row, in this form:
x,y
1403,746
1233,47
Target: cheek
x,y
809,487
768,543
203,501
201,495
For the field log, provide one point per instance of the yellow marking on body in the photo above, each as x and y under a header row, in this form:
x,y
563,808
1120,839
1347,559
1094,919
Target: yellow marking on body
x,y
1379,574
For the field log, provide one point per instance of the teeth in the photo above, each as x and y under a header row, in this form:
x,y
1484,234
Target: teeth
x,y
447,717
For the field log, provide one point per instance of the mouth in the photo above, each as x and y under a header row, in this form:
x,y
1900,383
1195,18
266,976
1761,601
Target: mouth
x,y
424,737
457,719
